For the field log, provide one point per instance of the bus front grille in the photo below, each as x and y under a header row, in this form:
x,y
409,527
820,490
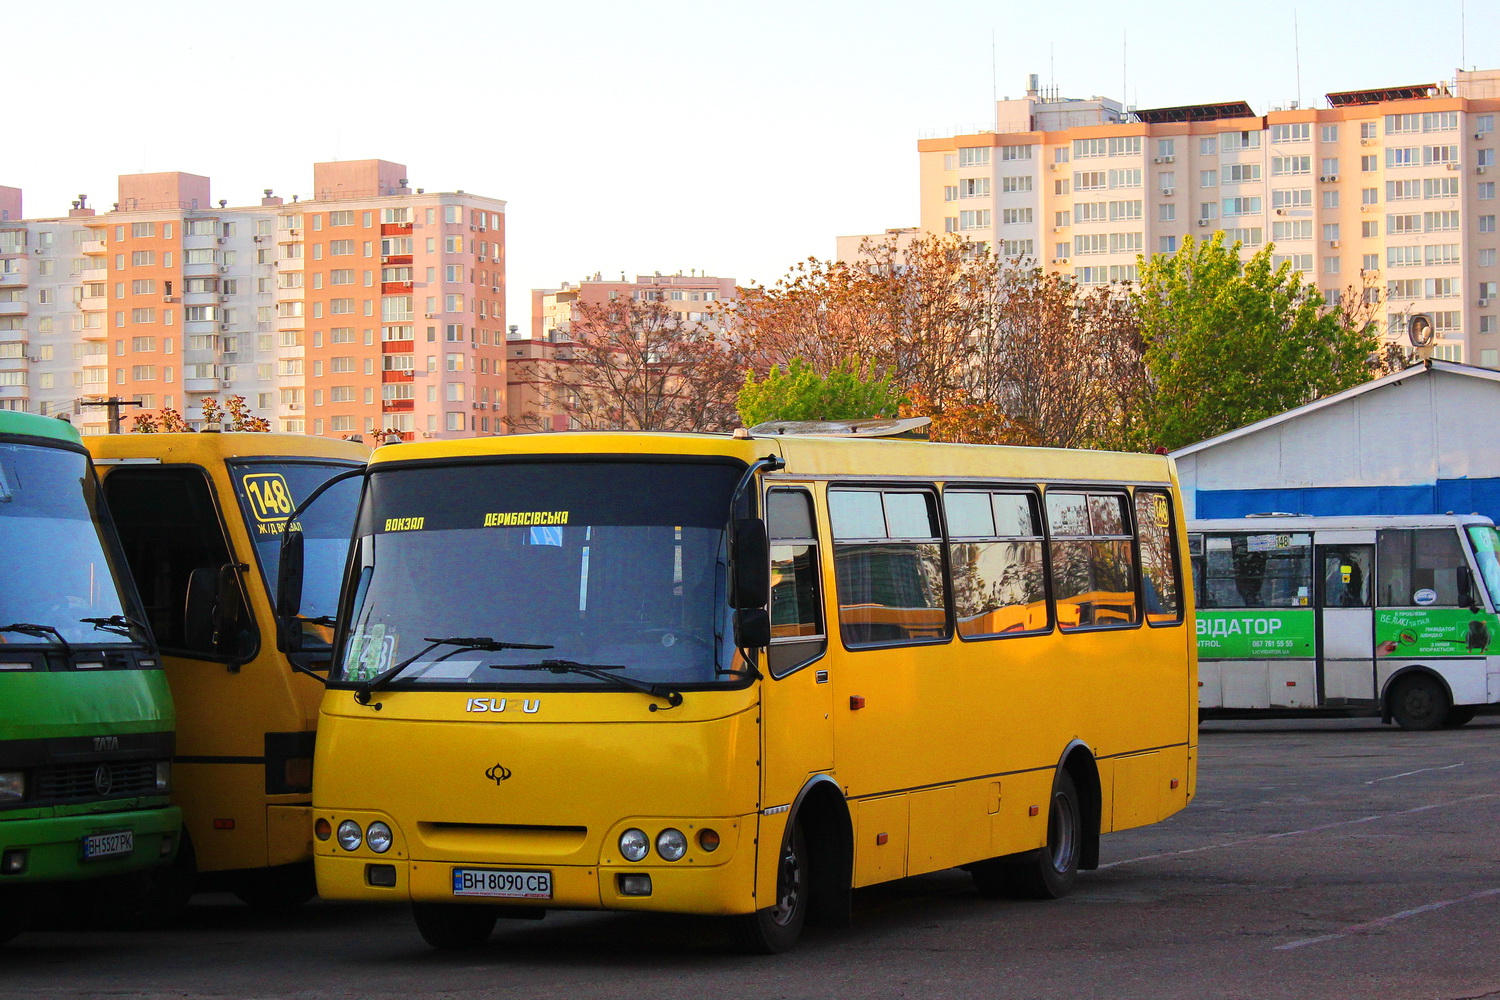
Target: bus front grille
x,y
83,782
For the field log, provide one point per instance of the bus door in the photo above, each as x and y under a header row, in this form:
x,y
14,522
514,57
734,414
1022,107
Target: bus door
x,y
798,693
1345,578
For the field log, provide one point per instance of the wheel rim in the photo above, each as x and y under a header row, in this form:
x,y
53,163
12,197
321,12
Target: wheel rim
x,y
788,885
1419,701
1062,833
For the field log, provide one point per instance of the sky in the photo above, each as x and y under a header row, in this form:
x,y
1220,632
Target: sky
x,y
735,139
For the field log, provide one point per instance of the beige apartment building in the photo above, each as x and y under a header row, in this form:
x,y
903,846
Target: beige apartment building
x,y
368,307
1392,184
695,298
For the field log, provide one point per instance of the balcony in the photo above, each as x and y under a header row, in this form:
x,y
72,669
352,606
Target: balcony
x,y
12,308
93,303
93,248
396,258
13,279
200,326
13,392
94,274
397,346
200,270
11,336
202,384
289,263
288,236
395,228
12,364
398,405
395,287
289,322
200,299
397,376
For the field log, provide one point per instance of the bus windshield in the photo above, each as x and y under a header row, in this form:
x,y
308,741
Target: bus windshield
x,y
268,492
618,565
1486,542
58,567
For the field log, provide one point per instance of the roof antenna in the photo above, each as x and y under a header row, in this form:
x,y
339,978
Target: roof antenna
x,y
1297,56
994,86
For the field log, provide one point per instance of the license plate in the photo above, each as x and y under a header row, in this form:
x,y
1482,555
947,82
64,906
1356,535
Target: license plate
x,y
108,845
502,884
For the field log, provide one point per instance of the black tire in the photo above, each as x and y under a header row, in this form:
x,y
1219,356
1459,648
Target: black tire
x,y
453,926
776,929
10,924
284,887
1048,872
156,898
1419,703
1459,715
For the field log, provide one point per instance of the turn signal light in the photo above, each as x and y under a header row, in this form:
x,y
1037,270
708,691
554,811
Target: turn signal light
x,y
708,840
322,829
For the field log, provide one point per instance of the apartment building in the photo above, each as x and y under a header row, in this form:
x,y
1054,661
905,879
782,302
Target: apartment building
x,y
1394,185
695,298
368,308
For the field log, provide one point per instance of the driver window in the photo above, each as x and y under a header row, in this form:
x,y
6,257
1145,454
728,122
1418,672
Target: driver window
x,y
797,633
174,543
1419,567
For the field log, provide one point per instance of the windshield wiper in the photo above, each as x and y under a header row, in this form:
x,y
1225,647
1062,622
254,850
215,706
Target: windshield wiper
x,y
119,624
600,672
463,643
39,632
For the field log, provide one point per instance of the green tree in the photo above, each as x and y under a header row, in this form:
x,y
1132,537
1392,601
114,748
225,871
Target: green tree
x,y
849,391
1229,342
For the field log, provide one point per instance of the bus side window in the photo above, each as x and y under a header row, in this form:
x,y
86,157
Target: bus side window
x,y
797,633
1418,567
995,557
174,542
1256,571
888,560
1154,529
1093,561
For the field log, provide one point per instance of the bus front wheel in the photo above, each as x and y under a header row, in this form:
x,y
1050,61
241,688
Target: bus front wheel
x,y
453,926
1419,702
776,928
1049,871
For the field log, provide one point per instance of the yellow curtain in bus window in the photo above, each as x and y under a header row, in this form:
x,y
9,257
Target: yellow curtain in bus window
x,y
270,496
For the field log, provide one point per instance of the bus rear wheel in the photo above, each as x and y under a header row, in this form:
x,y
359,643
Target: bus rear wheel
x,y
1419,703
776,928
284,887
1048,872
1459,715
453,926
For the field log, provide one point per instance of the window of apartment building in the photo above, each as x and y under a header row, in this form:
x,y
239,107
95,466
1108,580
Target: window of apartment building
x,y
1331,199
1231,142
341,276
1086,148
143,258
1329,166
1062,187
455,362
950,193
1292,198
1060,154
1166,213
1370,262
398,362
973,156
1295,229
1208,178
1291,132
1238,173
143,373
1208,145
1283,166
341,248
139,229
341,364
1012,153
1242,206
1331,265
1330,231
1015,216
1166,181
344,218
976,219
1208,210
1442,222
1330,133
1166,147
339,307
143,343
143,286
143,315
1369,196
1090,180
1128,178
1013,185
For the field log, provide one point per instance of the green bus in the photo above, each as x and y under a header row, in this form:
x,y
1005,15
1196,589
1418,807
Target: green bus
x,y
86,720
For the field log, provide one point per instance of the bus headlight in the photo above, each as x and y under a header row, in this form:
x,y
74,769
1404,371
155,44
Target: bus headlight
x,y
350,835
671,844
634,844
12,786
378,837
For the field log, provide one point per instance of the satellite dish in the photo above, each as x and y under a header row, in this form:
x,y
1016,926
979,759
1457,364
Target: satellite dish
x,y
868,427
1419,330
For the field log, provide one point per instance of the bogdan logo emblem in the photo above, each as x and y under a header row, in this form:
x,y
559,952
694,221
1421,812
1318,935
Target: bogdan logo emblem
x,y
498,773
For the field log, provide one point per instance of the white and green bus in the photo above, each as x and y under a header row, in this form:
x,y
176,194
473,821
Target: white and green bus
x,y
1389,615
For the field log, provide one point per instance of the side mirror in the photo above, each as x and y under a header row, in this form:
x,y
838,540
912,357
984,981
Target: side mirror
x,y
752,628
289,576
751,564
1466,589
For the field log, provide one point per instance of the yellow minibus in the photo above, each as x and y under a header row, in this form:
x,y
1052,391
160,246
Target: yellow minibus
x,y
200,517
744,675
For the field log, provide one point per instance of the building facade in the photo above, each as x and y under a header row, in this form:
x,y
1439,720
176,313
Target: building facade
x,y
1394,186
368,308
695,298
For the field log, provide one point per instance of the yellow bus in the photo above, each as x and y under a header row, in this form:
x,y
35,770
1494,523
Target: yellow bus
x,y
742,676
201,517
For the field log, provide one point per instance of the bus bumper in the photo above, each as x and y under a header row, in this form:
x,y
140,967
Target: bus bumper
x,y
53,845
724,888
288,834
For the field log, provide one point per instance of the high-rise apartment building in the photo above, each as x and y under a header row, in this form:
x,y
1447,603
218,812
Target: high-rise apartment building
x,y
368,307
694,298
1394,185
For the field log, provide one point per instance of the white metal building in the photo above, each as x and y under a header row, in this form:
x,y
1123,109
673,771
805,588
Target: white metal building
x,y
1421,441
